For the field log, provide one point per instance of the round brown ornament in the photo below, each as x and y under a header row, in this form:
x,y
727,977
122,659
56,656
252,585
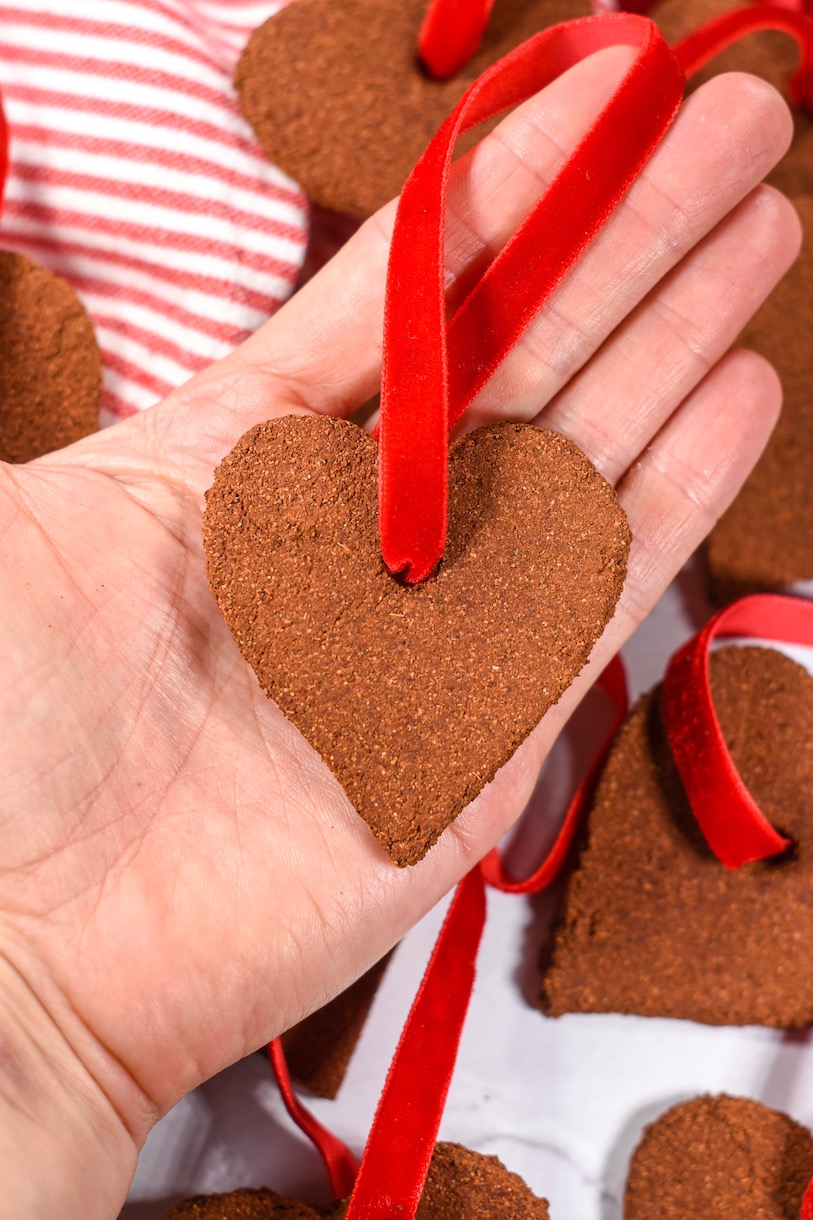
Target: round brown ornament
x,y
50,367
720,1158
461,1185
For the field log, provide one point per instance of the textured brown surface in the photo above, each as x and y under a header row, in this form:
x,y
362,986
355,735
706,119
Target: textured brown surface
x,y
464,1185
319,1048
50,368
339,101
765,540
413,697
652,923
719,1158
461,1185
243,1205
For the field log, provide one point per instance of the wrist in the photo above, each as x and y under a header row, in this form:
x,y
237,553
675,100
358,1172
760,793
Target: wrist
x,y
65,1149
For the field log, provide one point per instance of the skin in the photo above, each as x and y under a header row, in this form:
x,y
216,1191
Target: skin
x,y
181,876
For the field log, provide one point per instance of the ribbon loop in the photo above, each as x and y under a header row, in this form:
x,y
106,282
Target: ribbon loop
x,y
451,33
733,824
613,682
418,381
701,46
337,1158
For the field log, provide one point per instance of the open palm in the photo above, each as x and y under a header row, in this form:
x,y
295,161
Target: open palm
x,y
182,878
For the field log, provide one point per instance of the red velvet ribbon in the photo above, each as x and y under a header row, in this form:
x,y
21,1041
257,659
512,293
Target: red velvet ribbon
x,y
613,682
643,6
710,39
338,1159
422,390
396,1160
452,30
734,826
450,34
402,1139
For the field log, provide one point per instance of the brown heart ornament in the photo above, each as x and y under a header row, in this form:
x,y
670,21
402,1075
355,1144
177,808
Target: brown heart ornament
x,y
319,1048
652,923
339,100
720,1158
414,697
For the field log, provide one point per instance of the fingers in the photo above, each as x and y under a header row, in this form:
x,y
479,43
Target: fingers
x,y
683,483
673,495
722,145
713,156
490,191
323,350
666,347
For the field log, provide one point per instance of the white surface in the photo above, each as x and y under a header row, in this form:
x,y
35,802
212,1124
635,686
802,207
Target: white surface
x,y
562,1102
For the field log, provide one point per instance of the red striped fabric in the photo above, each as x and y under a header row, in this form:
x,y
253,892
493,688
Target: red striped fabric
x,y
133,175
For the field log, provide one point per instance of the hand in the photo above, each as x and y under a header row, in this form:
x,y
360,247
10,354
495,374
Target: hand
x,y
182,877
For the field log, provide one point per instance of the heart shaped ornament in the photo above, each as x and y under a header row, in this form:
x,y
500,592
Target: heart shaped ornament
x,y
50,367
461,1185
413,696
652,923
319,1048
719,1158
338,98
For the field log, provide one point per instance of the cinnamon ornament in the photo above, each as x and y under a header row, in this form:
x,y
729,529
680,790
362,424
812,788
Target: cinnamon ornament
x,y
764,541
339,100
461,1185
465,1185
651,922
414,697
719,1158
50,367
318,1049
245,1205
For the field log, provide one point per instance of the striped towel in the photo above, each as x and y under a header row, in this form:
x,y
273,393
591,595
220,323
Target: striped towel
x,y
134,176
